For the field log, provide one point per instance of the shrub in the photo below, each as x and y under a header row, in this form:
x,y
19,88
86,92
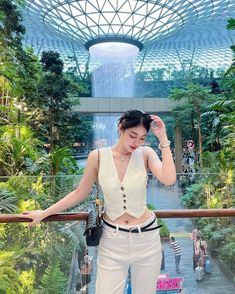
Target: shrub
x,y
193,198
227,254
164,231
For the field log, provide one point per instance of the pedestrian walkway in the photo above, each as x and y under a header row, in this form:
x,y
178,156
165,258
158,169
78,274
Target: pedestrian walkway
x,y
164,198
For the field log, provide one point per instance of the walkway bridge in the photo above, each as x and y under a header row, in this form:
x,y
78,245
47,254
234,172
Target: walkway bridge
x,y
119,105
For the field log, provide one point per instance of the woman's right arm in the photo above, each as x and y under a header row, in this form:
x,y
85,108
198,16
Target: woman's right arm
x,y
73,198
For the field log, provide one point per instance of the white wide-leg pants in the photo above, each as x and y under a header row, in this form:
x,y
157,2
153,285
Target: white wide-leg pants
x,y
120,250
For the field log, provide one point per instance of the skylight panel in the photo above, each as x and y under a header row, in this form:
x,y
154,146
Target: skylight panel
x,y
107,7
125,7
90,8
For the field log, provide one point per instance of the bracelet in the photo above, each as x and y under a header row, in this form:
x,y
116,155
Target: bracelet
x,y
164,145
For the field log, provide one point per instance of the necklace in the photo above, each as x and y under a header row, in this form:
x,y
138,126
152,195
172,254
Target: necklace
x,y
122,157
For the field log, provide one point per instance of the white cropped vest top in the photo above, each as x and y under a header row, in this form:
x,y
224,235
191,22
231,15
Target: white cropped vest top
x,y
128,195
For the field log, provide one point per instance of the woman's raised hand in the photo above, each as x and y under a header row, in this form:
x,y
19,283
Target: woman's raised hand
x,y
158,128
35,215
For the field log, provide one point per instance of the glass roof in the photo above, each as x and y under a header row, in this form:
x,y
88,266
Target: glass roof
x,y
171,31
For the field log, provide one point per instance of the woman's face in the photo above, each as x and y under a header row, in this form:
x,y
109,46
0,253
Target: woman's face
x,y
133,138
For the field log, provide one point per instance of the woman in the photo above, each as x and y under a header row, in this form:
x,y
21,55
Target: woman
x,y
130,236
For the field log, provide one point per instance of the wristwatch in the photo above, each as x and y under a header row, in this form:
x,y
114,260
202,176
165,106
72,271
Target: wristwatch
x,y
164,145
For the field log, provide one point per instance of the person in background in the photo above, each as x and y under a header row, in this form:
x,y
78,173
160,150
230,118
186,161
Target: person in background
x,y
204,244
195,236
175,246
163,260
130,237
202,256
203,253
197,251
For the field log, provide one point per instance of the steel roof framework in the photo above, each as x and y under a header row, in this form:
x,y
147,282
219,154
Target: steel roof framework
x,y
171,31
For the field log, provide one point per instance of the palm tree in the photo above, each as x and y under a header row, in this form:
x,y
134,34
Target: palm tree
x,y
222,114
195,97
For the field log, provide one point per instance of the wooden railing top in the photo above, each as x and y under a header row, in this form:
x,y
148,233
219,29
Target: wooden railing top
x,y
186,213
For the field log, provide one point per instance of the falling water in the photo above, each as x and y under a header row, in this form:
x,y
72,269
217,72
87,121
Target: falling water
x,y
113,76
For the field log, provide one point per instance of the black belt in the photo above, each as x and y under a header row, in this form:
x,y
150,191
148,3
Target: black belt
x,y
134,230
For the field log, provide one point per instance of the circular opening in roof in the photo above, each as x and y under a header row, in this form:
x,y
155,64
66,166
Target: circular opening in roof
x,y
114,49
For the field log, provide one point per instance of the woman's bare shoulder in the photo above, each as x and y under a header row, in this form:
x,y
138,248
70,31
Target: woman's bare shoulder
x,y
92,159
147,150
93,156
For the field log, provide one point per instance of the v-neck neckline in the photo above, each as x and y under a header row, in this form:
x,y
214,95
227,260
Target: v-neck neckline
x,y
115,167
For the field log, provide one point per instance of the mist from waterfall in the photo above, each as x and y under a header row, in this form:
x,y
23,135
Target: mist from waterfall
x,y
113,76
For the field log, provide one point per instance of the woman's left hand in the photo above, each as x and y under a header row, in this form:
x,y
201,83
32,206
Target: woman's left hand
x,y
158,128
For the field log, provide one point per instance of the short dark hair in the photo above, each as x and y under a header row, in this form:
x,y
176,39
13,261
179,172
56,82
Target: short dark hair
x,y
133,118
173,239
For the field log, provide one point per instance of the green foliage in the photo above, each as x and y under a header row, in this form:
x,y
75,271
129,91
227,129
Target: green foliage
x,y
14,151
52,63
164,231
19,67
220,236
219,119
219,232
81,127
58,187
231,24
75,233
219,186
191,101
26,279
227,254
83,80
53,279
25,188
193,198
208,226
53,101
9,282
7,201
151,206
43,89
193,94
159,82
62,161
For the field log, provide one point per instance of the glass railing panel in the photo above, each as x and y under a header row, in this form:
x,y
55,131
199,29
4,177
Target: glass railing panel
x,y
58,248
45,259
48,250
202,273
21,193
50,253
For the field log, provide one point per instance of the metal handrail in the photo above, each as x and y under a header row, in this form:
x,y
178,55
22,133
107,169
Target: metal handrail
x,y
81,216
